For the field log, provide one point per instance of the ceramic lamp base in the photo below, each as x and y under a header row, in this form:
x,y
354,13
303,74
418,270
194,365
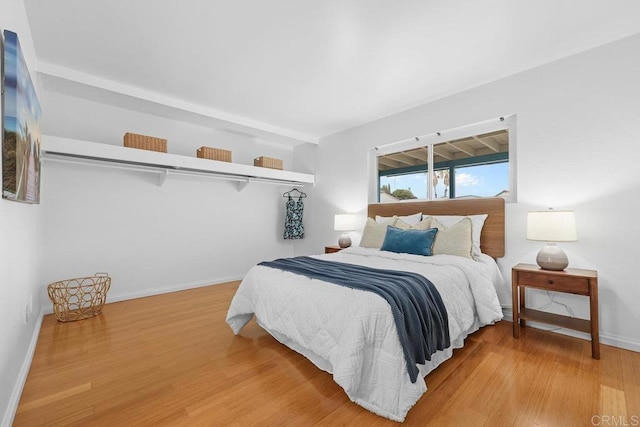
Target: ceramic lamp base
x,y
552,257
344,241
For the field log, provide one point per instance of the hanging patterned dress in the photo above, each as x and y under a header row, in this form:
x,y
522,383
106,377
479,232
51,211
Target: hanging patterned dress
x,y
293,228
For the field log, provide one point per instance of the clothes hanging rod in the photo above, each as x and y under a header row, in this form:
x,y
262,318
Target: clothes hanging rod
x,y
131,166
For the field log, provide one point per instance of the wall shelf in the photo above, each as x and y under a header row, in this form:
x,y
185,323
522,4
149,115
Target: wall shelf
x,y
165,164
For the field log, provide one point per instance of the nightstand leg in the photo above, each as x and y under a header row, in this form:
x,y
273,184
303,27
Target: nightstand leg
x,y
522,305
595,328
515,307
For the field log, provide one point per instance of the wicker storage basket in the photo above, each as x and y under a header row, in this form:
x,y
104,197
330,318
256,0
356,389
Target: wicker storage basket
x,y
144,142
268,162
80,298
214,154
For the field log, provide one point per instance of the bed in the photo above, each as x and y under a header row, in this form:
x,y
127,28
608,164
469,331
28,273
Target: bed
x,y
351,333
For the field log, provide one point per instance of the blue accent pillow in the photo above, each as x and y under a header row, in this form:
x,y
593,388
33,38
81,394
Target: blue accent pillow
x,y
417,242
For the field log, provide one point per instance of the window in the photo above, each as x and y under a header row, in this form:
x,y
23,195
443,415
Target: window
x,y
474,161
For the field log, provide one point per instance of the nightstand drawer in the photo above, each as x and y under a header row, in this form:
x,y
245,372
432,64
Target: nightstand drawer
x,y
554,282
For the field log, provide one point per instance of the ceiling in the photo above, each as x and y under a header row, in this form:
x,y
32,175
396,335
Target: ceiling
x,y
305,69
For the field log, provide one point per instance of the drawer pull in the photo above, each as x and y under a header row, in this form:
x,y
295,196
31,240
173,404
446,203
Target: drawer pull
x,y
551,281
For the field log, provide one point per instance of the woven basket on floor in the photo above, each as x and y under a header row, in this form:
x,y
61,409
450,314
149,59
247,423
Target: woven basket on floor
x,y
80,298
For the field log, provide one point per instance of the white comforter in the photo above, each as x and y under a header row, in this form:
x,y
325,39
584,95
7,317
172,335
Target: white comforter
x,y
351,333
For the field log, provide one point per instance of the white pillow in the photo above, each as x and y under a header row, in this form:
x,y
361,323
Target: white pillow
x,y
407,219
453,240
373,234
477,222
422,225
388,220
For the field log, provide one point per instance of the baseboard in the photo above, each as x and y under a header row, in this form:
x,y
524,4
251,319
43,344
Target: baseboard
x,y
169,289
14,400
166,290
621,342
605,338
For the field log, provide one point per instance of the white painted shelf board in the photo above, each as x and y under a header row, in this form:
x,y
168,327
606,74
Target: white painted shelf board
x,y
56,147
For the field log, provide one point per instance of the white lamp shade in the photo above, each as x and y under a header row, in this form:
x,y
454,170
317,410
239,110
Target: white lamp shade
x,y
344,222
552,226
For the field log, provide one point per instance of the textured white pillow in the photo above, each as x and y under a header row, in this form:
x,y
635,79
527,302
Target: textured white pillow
x,y
453,240
389,220
422,225
373,234
477,222
412,219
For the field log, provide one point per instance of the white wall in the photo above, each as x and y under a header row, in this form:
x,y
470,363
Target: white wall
x,y
191,231
578,128
20,256
150,239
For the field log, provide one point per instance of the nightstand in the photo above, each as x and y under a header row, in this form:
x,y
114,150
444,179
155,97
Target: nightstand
x,y
332,249
572,281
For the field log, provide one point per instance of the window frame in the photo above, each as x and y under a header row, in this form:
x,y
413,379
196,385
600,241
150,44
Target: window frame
x,y
507,123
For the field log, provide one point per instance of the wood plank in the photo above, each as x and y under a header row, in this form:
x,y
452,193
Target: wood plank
x,y
492,145
403,159
556,319
172,360
55,397
463,147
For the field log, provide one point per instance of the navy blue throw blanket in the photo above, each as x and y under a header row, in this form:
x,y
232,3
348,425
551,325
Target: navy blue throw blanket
x,y
417,307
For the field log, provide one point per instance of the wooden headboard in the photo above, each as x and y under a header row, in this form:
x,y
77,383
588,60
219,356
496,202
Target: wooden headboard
x,y
492,237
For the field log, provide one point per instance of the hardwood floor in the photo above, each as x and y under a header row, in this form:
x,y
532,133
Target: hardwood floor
x,y
172,360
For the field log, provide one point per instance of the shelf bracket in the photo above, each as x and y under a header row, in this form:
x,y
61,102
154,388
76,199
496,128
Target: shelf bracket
x,y
243,184
163,177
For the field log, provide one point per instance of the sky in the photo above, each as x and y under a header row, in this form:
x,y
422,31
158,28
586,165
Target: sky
x,y
481,180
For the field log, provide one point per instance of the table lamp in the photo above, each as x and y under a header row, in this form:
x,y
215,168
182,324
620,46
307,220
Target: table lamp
x,y
345,223
552,226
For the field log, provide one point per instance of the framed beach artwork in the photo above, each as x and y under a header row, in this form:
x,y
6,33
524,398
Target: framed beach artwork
x,y
21,129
